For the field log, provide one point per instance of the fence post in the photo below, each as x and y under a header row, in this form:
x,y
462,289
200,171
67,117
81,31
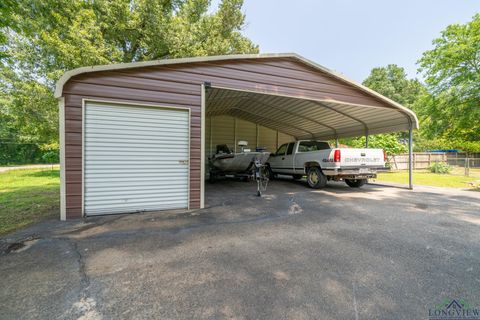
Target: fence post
x,y
467,165
410,157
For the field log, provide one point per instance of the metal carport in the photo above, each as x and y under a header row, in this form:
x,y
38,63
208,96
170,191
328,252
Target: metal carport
x,y
262,96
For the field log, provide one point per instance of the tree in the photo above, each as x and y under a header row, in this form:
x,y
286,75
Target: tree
x,y
388,142
392,82
452,74
6,22
44,38
59,35
25,107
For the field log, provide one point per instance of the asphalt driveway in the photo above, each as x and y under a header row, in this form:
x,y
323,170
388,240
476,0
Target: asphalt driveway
x,y
339,253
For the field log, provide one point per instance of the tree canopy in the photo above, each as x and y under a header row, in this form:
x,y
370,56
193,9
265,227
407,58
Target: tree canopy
x,y
392,82
452,74
58,35
41,39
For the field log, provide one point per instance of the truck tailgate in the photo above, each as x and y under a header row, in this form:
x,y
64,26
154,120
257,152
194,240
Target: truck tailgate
x,y
362,158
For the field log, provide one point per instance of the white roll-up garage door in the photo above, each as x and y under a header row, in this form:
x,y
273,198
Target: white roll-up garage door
x,y
135,158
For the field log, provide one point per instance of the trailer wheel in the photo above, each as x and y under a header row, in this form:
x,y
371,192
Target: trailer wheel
x,y
315,178
355,183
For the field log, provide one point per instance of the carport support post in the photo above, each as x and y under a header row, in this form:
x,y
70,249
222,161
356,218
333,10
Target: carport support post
x,y
63,188
366,140
410,158
204,87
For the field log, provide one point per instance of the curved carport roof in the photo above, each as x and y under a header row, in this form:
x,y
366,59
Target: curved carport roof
x,y
301,117
305,118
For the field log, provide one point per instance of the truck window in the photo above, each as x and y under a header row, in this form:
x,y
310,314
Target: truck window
x,y
306,146
290,148
281,150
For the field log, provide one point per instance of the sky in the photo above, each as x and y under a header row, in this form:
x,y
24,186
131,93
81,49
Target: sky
x,y
354,36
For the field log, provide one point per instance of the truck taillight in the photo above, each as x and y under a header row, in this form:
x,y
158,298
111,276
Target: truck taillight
x,y
385,157
337,156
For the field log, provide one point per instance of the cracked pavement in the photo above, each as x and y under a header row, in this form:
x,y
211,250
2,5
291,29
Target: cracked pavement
x,y
296,253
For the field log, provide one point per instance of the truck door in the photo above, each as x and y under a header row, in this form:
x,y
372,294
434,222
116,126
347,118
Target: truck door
x,y
283,160
288,159
276,160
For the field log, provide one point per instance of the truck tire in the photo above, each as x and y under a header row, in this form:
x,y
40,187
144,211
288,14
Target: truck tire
x,y
315,178
355,183
297,176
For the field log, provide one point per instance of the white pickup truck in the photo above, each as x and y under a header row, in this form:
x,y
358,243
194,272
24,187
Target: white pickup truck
x,y
321,163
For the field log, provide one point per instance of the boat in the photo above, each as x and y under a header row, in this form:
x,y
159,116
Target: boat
x,y
227,162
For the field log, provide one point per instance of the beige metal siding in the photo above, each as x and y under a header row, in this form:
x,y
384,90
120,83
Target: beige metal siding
x,y
208,137
247,131
223,131
284,138
267,138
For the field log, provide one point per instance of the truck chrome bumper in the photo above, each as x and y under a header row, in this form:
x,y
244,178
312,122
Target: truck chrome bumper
x,y
357,172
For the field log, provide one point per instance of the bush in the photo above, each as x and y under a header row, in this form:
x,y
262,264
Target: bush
x,y
389,142
50,157
19,153
27,153
440,167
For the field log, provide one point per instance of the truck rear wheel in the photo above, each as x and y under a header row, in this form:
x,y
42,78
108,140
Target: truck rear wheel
x,y
355,183
315,178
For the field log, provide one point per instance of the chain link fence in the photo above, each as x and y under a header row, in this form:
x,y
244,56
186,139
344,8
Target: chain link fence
x,y
464,166
460,163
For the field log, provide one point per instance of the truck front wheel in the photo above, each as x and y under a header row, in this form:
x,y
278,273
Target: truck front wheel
x,y
355,183
315,178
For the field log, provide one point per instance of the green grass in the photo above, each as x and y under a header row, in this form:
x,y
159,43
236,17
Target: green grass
x,y
426,178
28,196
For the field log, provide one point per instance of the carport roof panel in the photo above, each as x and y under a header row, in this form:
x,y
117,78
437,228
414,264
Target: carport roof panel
x,y
382,119
307,118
